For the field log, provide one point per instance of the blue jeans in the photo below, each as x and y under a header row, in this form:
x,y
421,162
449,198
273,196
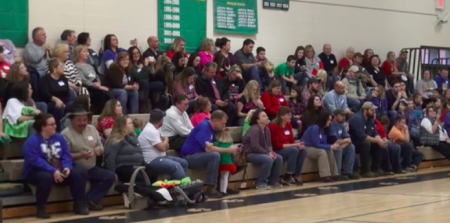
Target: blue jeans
x,y
58,113
284,84
415,136
44,182
125,96
168,165
348,153
354,104
302,78
101,181
391,158
294,158
253,73
42,106
268,165
392,114
208,160
410,156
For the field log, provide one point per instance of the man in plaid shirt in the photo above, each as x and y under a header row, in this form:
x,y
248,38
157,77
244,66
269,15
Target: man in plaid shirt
x,y
311,90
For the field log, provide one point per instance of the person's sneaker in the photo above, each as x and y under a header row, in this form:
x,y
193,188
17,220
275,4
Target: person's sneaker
x,y
296,181
224,194
342,178
276,185
42,214
286,182
353,176
232,191
327,179
211,192
400,172
262,187
94,206
369,175
414,167
410,169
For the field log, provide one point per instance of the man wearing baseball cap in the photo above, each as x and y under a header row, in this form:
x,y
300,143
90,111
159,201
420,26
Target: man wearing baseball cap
x,y
403,66
366,140
354,90
311,90
345,155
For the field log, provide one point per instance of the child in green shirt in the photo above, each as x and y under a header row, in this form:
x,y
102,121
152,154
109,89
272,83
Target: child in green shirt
x,y
285,73
138,126
224,140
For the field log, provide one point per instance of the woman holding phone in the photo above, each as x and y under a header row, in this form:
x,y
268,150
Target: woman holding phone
x,y
284,145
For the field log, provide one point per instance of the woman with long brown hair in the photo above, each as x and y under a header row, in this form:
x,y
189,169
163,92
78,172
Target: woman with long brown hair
x,y
184,84
283,144
120,80
105,123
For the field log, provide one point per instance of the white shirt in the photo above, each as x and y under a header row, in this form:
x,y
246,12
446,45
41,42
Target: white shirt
x,y
176,123
426,123
148,138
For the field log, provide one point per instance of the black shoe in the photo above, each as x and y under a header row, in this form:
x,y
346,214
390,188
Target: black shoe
x,y
327,179
369,175
353,176
400,172
211,192
296,181
342,178
232,191
94,206
42,214
286,181
80,208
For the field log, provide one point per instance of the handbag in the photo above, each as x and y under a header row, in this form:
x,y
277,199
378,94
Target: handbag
x,y
427,138
240,160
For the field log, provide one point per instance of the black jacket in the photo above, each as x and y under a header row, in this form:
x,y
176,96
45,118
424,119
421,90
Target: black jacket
x,y
204,88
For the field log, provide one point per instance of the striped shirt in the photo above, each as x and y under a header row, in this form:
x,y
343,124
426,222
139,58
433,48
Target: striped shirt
x,y
72,75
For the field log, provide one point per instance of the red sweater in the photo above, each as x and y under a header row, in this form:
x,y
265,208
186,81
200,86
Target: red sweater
x,y
170,54
273,102
280,136
343,63
380,129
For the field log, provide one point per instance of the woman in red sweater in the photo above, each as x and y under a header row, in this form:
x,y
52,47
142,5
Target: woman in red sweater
x,y
273,99
284,145
390,68
178,45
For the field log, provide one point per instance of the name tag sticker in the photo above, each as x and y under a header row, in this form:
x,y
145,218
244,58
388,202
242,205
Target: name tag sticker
x,y
320,136
281,99
340,132
90,138
214,82
61,83
286,132
6,67
191,87
93,53
6,51
331,61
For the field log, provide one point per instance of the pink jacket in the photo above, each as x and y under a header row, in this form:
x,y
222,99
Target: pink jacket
x,y
205,57
199,117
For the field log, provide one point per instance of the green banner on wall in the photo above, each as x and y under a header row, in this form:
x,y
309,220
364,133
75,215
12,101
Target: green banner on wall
x,y
235,16
14,25
276,4
185,18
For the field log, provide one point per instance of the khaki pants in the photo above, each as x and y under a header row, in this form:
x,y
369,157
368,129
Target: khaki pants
x,y
325,160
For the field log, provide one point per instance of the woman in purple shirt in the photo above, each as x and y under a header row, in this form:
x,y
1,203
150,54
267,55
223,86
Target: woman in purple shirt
x,y
317,148
111,49
225,47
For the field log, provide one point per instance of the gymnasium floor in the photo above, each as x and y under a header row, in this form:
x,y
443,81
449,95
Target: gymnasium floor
x,y
422,197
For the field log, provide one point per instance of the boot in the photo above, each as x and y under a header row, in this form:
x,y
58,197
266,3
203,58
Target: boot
x,y
41,213
80,208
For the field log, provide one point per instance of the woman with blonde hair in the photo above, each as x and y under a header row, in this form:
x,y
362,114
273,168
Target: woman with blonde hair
x,y
122,150
248,100
105,123
312,61
178,45
206,51
61,52
120,79
55,90
89,78
322,77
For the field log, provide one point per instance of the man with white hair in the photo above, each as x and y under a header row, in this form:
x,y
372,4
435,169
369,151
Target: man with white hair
x,y
347,60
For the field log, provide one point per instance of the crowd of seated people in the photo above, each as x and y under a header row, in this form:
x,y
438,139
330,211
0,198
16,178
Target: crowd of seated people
x,y
195,98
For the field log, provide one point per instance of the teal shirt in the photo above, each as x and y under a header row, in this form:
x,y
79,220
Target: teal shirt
x,y
284,70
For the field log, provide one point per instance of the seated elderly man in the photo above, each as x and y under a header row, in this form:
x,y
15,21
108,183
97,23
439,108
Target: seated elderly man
x,y
154,148
177,125
200,152
335,99
35,53
354,90
85,146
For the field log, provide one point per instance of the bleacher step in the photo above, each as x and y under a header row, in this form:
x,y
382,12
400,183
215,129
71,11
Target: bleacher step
x,y
13,168
4,177
10,189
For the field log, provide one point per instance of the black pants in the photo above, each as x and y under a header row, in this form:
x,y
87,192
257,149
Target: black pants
x,y
98,99
443,148
365,149
176,142
230,109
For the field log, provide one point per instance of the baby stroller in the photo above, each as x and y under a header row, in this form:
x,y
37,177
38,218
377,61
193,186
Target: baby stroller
x,y
140,195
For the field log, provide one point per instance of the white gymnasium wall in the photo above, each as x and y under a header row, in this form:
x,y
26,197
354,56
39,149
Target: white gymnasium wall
x,y
382,25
